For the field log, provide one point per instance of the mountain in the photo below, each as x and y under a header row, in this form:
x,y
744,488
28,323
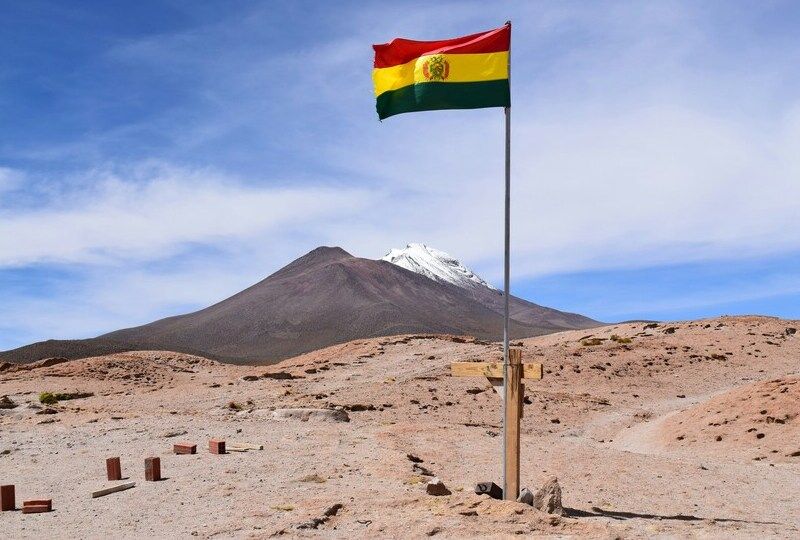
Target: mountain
x,y
325,297
444,268
435,264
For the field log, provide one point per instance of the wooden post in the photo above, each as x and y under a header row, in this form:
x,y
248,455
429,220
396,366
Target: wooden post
x,y
513,399
512,394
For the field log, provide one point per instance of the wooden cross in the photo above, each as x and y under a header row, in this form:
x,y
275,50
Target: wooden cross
x,y
512,396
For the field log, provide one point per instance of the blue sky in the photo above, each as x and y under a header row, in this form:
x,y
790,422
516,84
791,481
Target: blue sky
x,y
156,157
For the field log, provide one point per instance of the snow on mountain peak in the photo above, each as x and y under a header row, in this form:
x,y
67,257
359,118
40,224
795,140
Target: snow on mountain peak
x,y
436,265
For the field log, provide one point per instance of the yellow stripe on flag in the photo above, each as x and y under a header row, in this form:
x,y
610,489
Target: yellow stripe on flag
x,y
459,68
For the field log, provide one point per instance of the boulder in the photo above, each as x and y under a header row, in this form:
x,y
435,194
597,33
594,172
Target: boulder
x,y
548,498
304,415
436,487
525,496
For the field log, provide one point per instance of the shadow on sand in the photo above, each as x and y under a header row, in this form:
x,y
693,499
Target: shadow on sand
x,y
613,514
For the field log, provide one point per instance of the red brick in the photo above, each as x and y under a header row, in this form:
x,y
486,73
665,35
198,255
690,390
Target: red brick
x,y
7,498
113,469
184,448
36,503
216,446
152,469
36,509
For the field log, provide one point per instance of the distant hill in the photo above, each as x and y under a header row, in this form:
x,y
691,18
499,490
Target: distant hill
x,y
325,297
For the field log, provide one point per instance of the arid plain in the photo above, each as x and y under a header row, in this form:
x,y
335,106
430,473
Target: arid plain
x,y
679,429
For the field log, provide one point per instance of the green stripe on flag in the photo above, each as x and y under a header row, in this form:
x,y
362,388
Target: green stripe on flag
x,y
430,96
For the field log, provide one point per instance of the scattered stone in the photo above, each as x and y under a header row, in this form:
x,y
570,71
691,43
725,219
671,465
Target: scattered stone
x,y
315,478
304,415
670,330
176,433
358,407
525,496
489,488
476,390
7,403
249,378
548,498
328,514
279,375
436,488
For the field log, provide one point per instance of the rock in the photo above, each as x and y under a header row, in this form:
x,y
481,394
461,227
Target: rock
x,y
525,496
436,487
47,362
489,488
279,375
176,433
548,498
333,510
475,390
304,415
790,331
328,514
7,403
249,378
358,407
315,478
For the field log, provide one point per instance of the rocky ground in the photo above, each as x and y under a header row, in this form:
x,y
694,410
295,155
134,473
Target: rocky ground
x,y
672,430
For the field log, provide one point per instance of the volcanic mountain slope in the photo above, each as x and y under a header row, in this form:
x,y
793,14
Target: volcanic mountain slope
x,y
445,268
325,297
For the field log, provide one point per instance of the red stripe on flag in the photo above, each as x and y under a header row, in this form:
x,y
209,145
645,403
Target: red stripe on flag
x,y
399,51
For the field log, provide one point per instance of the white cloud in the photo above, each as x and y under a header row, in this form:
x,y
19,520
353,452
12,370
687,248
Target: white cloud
x,y
117,219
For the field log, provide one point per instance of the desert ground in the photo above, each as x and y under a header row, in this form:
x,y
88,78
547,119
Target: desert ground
x,y
667,430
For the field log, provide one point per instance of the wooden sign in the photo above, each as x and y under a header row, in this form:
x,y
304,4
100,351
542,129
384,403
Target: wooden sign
x,y
512,394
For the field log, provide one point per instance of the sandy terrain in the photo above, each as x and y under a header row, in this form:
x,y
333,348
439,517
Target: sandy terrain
x,y
664,436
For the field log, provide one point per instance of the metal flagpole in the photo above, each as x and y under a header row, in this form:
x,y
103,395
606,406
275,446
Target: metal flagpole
x,y
506,274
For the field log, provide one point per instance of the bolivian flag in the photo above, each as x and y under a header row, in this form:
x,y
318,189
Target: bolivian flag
x,y
469,72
